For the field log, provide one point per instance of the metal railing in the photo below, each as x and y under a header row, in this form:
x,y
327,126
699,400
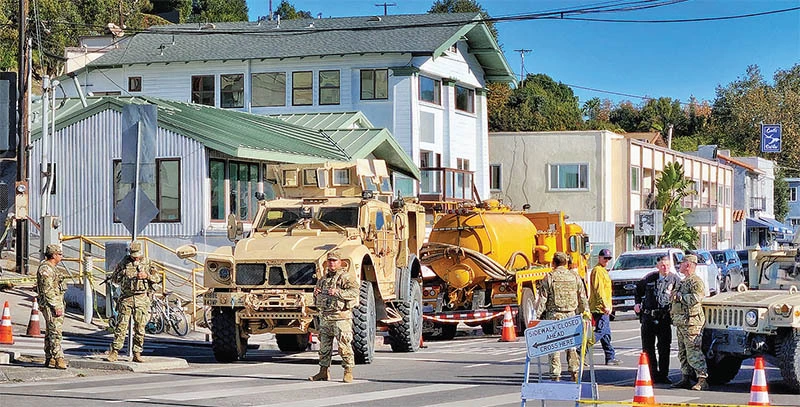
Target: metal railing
x,y
447,184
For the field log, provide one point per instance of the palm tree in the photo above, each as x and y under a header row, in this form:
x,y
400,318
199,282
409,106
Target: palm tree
x,y
672,187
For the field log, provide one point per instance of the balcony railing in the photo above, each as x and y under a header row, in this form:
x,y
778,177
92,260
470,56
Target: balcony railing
x,y
447,184
758,203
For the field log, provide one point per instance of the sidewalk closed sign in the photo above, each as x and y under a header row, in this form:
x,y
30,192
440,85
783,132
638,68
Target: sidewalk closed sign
x,y
552,336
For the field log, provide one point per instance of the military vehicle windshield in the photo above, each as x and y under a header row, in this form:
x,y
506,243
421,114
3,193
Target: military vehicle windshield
x,y
342,216
637,261
778,272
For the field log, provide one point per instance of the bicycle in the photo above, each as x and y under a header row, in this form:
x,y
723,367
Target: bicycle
x,y
167,315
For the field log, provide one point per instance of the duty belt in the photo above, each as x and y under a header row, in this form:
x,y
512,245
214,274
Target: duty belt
x,y
656,313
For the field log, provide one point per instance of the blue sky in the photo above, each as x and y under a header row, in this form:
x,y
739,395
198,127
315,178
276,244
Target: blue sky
x,y
676,60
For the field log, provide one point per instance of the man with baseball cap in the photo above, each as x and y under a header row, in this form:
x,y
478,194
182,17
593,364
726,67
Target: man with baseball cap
x,y
51,289
600,305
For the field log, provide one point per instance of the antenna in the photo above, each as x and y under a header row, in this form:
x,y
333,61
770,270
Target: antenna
x,y
386,7
522,52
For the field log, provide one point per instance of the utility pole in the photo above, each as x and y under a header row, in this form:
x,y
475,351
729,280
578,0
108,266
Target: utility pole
x,y
269,12
23,65
522,52
386,7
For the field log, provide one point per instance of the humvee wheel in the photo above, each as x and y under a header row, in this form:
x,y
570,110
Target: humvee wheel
x,y
364,325
526,311
226,341
723,370
789,359
406,334
292,343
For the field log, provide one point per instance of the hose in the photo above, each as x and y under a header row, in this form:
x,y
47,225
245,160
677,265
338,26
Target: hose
x,y
437,251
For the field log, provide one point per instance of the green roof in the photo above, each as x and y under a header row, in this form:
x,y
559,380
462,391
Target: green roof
x,y
327,121
416,34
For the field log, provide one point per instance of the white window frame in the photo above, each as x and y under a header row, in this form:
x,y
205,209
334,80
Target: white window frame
x,y
496,181
636,180
556,166
793,194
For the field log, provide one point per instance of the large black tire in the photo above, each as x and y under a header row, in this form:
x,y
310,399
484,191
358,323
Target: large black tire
x,y
292,343
406,335
442,332
489,327
226,341
789,359
364,325
723,370
527,309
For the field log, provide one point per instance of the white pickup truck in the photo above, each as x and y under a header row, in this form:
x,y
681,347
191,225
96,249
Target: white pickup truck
x,y
630,267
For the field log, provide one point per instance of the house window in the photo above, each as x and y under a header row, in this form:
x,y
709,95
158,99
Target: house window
x,y
328,87
430,90
429,159
374,84
203,90
569,176
430,180
635,178
462,164
495,177
244,185
465,99
216,171
268,89
107,93
231,92
165,194
795,222
793,194
302,88
135,84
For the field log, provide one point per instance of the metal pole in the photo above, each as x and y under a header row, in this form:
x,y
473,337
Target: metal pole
x,y
194,299
88,294
45,160
23,65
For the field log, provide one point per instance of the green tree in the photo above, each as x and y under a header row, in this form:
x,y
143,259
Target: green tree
x,y
538,104
626,116
672,188
287,11
780,195
463,6
658,114
220,11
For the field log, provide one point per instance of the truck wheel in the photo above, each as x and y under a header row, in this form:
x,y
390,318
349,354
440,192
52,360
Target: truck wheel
x,y
723,370
292,343
789,360
406,334
226,341
364,325
526,311
488,327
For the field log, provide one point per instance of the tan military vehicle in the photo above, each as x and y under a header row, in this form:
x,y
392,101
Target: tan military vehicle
x,y
265,282
760,320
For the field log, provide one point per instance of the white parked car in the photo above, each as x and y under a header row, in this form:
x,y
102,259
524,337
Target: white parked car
x,y
706,267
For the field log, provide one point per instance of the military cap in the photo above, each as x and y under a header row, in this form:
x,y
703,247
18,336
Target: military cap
x,y
561,257
690,258
136,248
52,249
334,255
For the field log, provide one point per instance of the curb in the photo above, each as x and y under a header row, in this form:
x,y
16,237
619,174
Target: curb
x,y
151,363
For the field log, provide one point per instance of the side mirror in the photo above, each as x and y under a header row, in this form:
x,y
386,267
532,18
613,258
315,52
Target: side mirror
x,y
235,227
261,196
186,251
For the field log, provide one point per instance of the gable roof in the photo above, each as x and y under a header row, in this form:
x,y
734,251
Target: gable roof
x,y
326,121
416,34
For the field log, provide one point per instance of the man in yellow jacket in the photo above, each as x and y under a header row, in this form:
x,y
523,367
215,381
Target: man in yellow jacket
x,y
600,305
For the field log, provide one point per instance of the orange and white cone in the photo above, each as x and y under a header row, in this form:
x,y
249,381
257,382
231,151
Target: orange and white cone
x,y
6,334
758,390
643,392
34,329
509,333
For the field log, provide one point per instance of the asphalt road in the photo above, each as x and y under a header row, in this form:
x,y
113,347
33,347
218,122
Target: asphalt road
x,y
468,371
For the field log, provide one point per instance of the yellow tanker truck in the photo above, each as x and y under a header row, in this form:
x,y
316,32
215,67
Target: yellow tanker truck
x,y
486,257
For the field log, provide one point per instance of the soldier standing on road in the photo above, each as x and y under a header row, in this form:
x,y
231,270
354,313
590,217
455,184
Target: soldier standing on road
x,y
688,318
600,305
653,294
135,275
563,296
51,297
335,296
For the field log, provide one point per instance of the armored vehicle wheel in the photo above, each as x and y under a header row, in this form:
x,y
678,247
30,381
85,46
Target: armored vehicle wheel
x,y
292,343
364,325
723,370
442,332
406,334
226,341
789,359
527,309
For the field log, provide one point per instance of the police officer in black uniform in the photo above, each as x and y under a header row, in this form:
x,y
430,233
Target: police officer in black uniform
x,y
653,294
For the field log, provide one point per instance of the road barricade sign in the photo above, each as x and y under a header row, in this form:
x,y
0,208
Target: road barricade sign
x,y
553,336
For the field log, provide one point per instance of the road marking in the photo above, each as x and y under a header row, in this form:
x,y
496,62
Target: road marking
x,y
168,384
485,401
241,391
128,401
476,365
513,360
372,396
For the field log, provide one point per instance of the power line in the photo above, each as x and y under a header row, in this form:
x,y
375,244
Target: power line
x,y
386,7
684,20
522,52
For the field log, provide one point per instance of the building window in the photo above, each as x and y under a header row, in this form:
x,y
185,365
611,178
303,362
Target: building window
x,y
495,177
329,87
203,90
374,84
793,194
165,194
728,199
465,99
430,90
302,88
107,93
268,89
231,92
216,173
569,176
635,178
795,222
462,164
135,84
244,185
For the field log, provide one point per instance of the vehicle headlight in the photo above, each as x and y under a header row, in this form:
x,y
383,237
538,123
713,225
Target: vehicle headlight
x,y
219,271
224,273
751,317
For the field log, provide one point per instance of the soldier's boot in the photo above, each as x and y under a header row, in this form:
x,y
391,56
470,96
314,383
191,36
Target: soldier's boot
x,y
348,375
137,357
702,384
48,362
323,376
683,384
573,376
112,355
60,363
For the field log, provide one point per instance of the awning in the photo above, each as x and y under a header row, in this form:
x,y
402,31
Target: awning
x,y
768,223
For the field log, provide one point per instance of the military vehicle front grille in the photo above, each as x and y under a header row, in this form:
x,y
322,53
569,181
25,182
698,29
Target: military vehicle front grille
x,y
250,274
725,317
302,273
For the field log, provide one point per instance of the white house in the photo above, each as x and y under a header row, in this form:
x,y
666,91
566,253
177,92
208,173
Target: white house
x,y
423,77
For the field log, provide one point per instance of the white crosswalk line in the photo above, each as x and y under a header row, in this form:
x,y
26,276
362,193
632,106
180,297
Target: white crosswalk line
x,y
167,384
372,396
485,401
240,391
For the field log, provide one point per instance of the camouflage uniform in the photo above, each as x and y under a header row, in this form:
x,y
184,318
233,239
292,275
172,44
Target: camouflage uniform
x,y
563,296
336,319
135,297
51,287
687,316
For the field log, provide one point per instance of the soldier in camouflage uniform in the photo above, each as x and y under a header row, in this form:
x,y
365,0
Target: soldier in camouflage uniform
x,y
335,296
51,289
135,275
688,318
563,296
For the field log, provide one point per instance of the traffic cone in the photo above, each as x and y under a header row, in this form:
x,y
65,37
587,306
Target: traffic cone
x,y
758,390
6,335
643,392
34,330
509,333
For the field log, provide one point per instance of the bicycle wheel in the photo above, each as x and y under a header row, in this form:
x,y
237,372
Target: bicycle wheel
x,y
156,323
178,322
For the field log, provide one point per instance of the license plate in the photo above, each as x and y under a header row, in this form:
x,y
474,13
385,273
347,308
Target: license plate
x,y
629,302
